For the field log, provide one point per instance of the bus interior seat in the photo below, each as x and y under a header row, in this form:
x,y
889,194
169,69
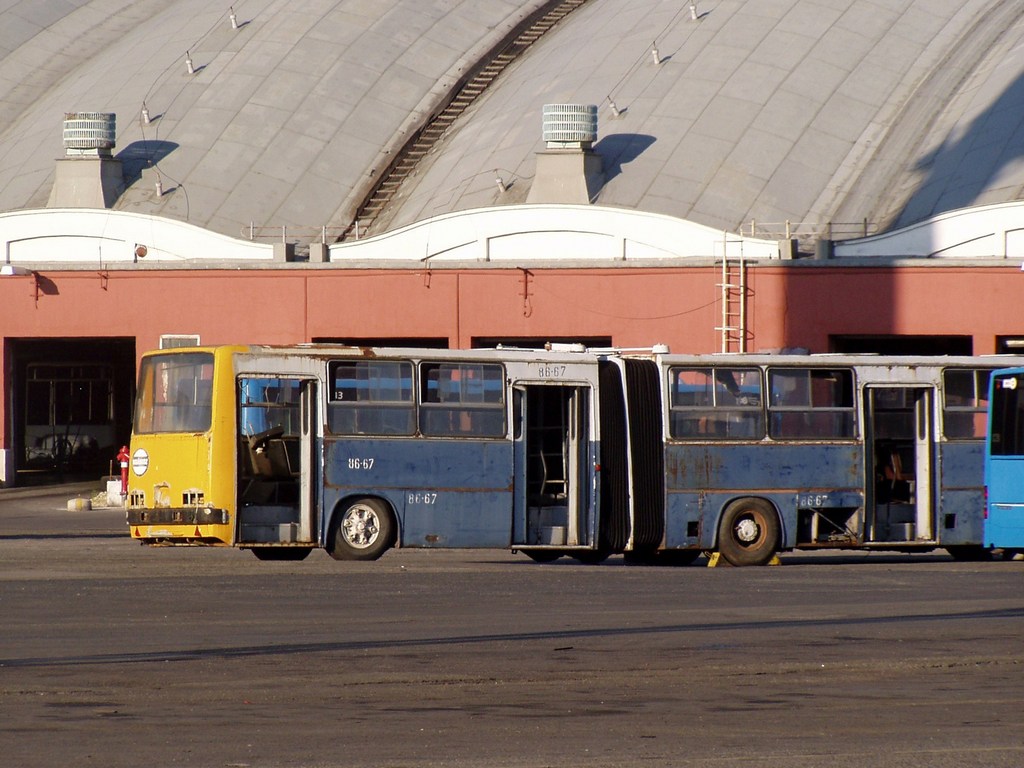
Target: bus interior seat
x,y
268,454
899,480
553,484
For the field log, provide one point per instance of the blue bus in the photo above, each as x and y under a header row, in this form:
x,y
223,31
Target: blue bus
x,y
774,453
1004,461
557,452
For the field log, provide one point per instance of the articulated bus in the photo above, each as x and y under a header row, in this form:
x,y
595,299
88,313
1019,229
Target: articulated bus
x,y
1004,462
558,452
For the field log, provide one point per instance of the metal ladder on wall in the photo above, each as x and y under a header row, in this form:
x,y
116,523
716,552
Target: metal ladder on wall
x,y
733,293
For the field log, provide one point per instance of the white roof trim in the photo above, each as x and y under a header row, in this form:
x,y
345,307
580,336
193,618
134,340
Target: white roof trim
x,y
552,233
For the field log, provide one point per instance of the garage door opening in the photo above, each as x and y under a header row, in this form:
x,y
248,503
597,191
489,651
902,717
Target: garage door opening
x,y
69,406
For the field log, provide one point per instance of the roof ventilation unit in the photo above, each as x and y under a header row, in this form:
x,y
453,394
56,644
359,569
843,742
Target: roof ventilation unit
x,y
570,126
88,176
89,133
569,172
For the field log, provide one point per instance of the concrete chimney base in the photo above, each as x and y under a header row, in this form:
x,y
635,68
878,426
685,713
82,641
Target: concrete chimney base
x,y
567,177
86,182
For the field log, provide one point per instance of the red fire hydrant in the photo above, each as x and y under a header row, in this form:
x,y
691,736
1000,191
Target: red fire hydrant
x,y
123,456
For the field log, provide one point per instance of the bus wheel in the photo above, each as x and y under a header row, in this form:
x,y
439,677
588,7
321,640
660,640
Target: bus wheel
x,y
365,530
749,532
282,553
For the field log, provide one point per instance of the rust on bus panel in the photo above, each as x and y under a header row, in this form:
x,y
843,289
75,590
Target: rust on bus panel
x,y
681,473
161,495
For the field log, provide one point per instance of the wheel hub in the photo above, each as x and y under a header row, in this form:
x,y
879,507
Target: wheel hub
x,y
747,531
360,529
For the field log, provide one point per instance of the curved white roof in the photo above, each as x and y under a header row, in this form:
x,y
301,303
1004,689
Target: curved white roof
x,y
807,111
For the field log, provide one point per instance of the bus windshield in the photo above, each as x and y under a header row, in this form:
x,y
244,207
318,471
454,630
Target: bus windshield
x,y
174,393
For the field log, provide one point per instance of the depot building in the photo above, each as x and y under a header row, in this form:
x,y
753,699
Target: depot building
x,y
429,175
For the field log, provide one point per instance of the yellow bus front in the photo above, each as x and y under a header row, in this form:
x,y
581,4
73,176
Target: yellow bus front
x,y
181,483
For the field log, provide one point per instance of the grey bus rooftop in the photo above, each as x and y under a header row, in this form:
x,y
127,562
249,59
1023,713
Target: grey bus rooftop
x,y
566,452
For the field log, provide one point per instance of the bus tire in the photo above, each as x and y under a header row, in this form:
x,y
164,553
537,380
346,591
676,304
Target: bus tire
x,y
363,530
748,533
292,554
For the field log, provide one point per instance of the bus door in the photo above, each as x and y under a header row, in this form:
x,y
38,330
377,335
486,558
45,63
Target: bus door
x,y
278,470
1004,462
552,495
899,463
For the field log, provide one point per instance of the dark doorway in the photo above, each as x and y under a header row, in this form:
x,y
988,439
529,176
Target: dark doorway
x,y
425,342
1009,345
528,342
902,345
70,406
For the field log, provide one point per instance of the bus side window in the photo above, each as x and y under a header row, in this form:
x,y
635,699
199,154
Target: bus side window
x,y
811,403
371,397
716,404
462,399
965,403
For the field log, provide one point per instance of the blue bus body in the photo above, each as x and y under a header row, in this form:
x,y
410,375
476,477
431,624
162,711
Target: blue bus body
x,y
590,453
468,501
1004,461
960,464
826,451
820,477
443,449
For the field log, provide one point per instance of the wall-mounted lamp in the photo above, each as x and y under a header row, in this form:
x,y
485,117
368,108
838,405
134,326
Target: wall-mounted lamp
x,y
10,270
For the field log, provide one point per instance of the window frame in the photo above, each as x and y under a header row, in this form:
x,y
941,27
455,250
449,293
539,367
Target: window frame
x,y
454,410
281,405
718,420
811,426
977,414
1007,411
174,412
364,413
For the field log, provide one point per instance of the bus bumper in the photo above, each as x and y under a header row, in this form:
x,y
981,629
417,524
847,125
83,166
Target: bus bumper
x,y
178,516
182,526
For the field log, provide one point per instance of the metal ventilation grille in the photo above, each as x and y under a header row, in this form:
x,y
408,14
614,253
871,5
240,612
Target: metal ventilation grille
x,y
406,160
570,124
89,130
